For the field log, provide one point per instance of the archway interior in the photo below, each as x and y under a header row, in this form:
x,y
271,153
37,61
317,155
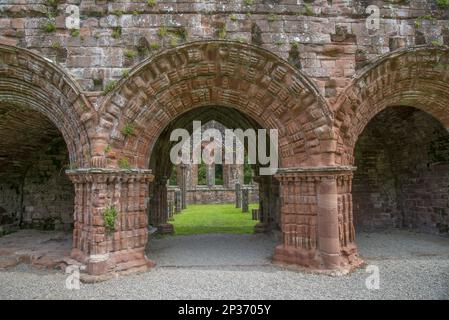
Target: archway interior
x,y
34,190
402,160
265,192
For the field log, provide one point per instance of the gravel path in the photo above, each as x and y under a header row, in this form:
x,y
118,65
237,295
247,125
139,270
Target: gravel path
x,y
412,266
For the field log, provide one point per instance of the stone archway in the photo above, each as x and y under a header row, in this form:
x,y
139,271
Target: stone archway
x,y
402,160
403,95
30,81
414,77
232,75
44,128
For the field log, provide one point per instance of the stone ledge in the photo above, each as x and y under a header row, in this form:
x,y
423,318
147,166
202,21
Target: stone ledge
x,y
329,169
108,171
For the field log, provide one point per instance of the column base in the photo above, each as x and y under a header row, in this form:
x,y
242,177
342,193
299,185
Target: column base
x,y
110,265
166,228
262,228
311,260
284,255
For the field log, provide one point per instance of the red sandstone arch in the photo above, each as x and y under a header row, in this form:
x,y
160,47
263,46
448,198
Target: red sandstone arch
x,y
415,77
216,73
34,82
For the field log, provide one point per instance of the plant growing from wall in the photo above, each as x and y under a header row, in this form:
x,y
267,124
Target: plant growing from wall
x,y
419,21
162,32
307,10
437,43
48,27
155,46
52,3
74,32
151,3
116,32
56,45
128,129
240,39
222,32
125,73
443,4
124,164
130,54
110,85
173,41
109,217
271,17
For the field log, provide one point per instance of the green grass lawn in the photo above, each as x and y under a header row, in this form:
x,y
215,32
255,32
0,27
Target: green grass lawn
x,y
214,218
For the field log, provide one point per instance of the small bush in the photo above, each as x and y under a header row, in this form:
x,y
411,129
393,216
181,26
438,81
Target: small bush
x,y
116,32
110,86
109,217
162,32
124,164
49,27
74,32
130,54
127,130
125,73
155,46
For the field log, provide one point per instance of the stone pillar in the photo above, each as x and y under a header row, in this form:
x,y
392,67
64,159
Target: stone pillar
x,y
267,201
210,175
232,174
238,196
159,207
193,178
178,201
245,200
183,185
107,249
171,210
316,218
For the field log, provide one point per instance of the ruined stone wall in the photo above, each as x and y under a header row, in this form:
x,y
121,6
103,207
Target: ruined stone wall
x,y
48,194
213,195
34,190
9,207
401,180
328,40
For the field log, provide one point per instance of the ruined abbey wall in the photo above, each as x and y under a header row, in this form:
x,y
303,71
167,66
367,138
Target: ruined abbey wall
x,y
328,40
320,72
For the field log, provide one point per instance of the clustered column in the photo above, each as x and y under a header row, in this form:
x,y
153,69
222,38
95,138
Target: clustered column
x,y
316,219
159,206
120,244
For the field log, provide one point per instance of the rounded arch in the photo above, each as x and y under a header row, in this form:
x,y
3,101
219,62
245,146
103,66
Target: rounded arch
x,y
252,80
30,81
414,77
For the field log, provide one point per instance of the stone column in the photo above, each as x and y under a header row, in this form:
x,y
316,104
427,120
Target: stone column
x,y
183,185
238,196
267,202
316,218
107,249
178,201
210,175
161,207
170,210
245,200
